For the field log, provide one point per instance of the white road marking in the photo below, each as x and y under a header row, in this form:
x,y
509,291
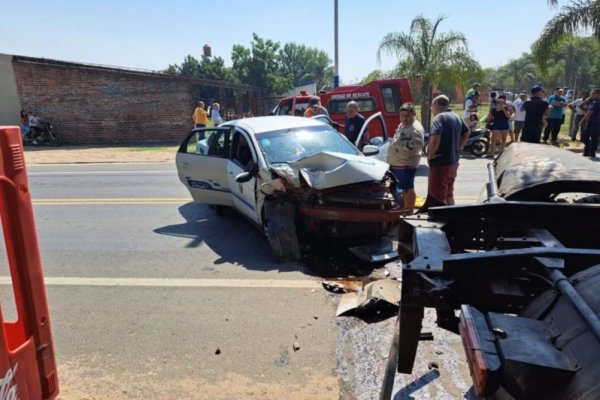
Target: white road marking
x,y
165,282
108,201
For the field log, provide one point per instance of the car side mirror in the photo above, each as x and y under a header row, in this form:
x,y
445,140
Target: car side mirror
x,y
243,177
370,150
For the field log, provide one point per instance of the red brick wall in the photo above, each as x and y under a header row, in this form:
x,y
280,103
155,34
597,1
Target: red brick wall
x,y
103,105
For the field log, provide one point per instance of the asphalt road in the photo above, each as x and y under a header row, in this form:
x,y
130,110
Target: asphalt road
x,y
145,288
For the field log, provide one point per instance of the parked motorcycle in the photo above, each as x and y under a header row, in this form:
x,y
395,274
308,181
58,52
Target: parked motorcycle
x,y
44,134
477,144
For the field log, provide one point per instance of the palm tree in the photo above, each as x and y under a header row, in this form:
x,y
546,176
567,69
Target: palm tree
x,y
579,15
425,53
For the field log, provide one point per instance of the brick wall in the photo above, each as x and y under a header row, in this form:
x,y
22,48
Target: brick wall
x,y
89,104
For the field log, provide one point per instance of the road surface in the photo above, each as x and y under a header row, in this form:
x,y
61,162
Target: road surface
x,y
152,296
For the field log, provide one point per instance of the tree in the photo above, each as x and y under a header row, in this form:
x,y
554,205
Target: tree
x,y
206,68
304,64
425,53
259,65
577,16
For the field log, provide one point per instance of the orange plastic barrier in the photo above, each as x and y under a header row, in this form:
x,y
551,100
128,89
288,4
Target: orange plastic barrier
x,y
27,363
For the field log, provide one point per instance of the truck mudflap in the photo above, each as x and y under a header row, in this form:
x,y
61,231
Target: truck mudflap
x,y
496,342
27,361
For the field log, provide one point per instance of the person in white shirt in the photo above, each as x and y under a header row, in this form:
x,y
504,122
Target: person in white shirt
x,y
579,113
34,126
518,117
215,115
471,107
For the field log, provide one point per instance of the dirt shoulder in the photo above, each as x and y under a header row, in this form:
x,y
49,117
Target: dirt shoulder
x,y
89,155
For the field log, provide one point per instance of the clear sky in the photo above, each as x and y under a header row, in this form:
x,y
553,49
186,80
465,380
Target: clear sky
x,y
153,34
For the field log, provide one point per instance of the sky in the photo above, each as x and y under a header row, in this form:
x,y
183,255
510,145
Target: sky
x,y
153,34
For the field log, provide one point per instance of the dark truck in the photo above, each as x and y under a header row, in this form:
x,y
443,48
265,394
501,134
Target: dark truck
x,y
517,275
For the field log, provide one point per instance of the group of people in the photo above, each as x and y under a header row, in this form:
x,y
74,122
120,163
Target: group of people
x,y
536,119
200,115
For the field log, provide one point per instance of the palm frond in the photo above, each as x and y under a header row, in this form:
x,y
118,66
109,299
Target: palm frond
x,y
571,18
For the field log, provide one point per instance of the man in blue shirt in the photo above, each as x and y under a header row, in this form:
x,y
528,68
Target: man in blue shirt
x,y
591,121
449,133
557,102
353,123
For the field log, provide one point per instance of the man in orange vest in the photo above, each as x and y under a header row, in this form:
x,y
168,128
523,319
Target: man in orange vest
x,y
314,108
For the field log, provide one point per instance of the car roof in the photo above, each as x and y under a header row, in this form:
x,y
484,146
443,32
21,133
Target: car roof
x,y
273,123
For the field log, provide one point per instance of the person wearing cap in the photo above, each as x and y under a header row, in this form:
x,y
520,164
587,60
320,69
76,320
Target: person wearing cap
x,y
556,118
535,110
404,153
353,123
518,117
200,116
315,108
591,122
471,92
449,133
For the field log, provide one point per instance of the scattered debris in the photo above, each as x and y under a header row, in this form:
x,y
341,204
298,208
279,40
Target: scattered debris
x,y
378,300
315,316
296,346
375,251
439,352
386,273
218,351
433,365
334,287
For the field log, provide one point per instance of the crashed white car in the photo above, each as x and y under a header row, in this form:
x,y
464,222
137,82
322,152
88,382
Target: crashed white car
x,y
296,178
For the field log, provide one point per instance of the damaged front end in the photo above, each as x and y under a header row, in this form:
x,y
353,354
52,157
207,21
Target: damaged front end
x,y
339,196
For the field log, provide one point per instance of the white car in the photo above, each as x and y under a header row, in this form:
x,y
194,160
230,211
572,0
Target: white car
x,y
295,178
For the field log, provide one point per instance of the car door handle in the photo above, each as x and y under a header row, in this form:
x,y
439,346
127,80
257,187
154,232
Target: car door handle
x,y
185,164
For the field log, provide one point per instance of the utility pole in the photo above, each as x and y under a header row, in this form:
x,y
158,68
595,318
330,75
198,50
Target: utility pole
x,y
336,71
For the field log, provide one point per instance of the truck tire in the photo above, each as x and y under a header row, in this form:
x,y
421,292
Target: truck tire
x,y
575,337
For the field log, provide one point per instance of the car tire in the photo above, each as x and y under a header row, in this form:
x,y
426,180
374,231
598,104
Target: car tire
x,y
279,227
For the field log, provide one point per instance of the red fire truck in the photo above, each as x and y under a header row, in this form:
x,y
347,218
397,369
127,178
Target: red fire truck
x,y
381,95
27,362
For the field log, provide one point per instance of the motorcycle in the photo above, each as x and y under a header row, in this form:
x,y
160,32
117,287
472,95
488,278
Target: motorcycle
x,y
44,134
477,144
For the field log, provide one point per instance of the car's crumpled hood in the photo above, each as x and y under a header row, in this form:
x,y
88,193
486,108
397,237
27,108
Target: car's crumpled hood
x,y
330,169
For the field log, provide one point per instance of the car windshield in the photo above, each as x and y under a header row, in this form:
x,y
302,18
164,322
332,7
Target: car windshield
x,y
289,145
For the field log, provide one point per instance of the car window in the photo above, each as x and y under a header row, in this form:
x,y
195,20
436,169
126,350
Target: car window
x,y
340,105
299,108
391,98
241,151
285,108
290,145
218,144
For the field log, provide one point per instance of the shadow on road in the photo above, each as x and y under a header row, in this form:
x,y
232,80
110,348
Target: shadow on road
x,y
237,241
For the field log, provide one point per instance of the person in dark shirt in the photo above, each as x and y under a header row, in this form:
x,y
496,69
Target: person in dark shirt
x,y
591,121
500,115
535,110
449,133
353,123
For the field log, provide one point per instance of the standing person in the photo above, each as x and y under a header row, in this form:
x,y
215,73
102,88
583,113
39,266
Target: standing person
x,y
471,106
315,108
579,113
471,92
535,110
557,102
405,153
215,115
448,136
200,116
518,116
500,115
591,123
493,98
353,123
